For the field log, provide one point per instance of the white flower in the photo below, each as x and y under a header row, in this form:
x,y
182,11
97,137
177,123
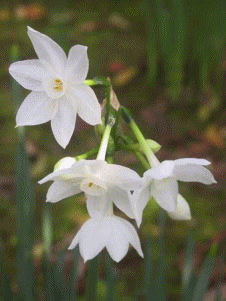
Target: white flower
x,y
63,163
182,211
111,232
160,182
58,89
101,182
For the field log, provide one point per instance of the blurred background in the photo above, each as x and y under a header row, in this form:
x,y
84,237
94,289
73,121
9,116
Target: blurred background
x,y
167,63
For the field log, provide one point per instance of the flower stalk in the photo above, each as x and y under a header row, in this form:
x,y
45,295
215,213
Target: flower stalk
x,y
152,160
104,142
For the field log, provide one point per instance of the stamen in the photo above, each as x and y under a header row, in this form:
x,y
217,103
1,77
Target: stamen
x,y
91,185
58,85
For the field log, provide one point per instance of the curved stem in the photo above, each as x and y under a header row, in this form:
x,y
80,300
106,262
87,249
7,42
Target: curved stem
x,y
152,160
88,154
104,142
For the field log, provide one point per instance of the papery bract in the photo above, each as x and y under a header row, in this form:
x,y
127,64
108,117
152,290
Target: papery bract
x,y
58,89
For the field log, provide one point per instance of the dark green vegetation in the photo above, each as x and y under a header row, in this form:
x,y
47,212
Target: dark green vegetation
x,y
167,64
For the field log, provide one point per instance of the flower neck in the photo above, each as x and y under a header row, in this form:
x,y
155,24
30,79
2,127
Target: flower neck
x,y
104,142
152,159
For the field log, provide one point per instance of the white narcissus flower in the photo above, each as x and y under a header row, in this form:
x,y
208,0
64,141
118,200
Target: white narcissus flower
x,y
108,231
101,182
58,89
63,163
160,182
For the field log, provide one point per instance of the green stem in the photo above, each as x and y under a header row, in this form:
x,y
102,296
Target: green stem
x,y
104,142
136,150
152,160
97,82
87,155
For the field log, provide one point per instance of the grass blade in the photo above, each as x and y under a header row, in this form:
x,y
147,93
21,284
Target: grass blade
x,y
111,279
221,279
151,42
149,280
59,277
48,269
188,260
49,284
4,279
161,270
205,274
74,274
92,280
25,205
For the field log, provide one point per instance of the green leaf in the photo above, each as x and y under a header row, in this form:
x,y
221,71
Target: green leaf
x,y
25,205
4,279
161,269
151,42
111,278
149,279
59,277
49,284
221,279
74,274
47,231
205,274
188,260
92,280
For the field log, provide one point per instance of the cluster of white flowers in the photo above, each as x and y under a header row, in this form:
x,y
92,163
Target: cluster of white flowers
x,y
58,94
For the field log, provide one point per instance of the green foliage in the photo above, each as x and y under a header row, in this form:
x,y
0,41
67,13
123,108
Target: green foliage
x,y
25,205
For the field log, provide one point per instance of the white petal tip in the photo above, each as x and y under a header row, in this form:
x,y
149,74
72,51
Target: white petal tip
x,y
138,221
30,29
62,144
41,181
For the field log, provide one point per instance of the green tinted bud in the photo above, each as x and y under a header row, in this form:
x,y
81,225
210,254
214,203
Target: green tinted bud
x,y
154,146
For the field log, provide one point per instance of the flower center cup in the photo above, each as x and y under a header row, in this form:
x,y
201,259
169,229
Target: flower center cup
x,y
58,85
93,186
54,87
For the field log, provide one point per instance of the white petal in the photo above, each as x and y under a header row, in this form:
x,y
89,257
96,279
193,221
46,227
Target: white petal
x,y
63,124
77,64
183,211
118,245
122,233
60,190
161,171
185,161
112,232
121,176
28,74
91,238
193,173
132,236
36,108
49,52
64,163
97,205
121,199
141,198
86,103
165,193
77,171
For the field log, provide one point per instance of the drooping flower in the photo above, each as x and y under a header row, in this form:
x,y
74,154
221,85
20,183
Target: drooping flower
x,y
160,182
106,230
58,89
101,182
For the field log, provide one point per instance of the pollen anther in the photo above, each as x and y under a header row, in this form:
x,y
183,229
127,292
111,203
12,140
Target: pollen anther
x,y
58,84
